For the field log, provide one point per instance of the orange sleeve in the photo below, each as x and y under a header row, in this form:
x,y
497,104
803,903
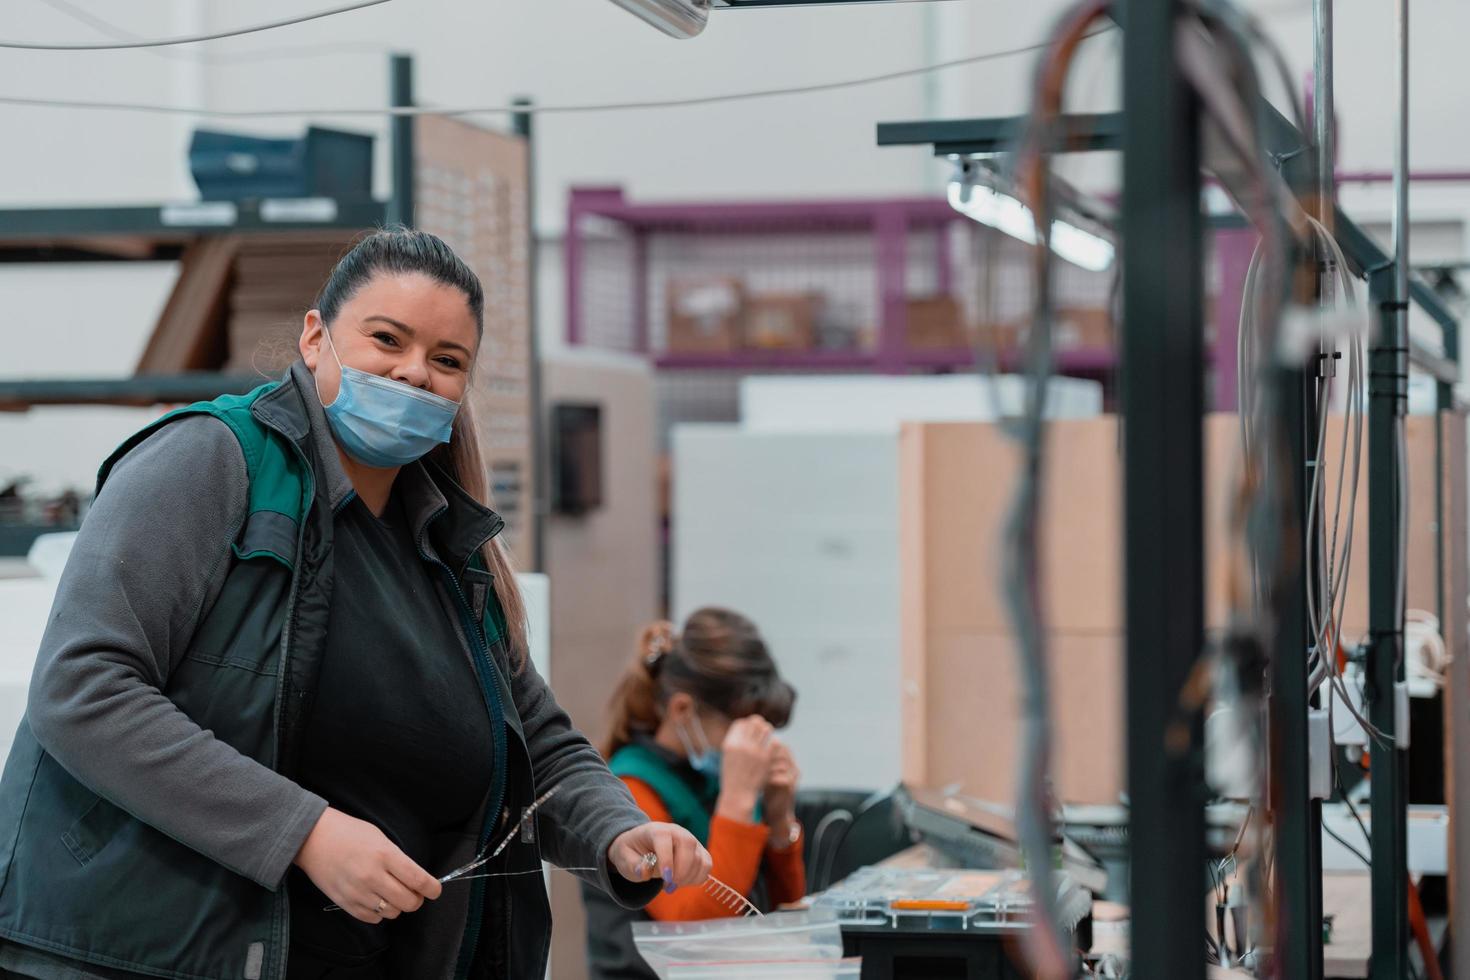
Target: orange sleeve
x,y
786,874
736,849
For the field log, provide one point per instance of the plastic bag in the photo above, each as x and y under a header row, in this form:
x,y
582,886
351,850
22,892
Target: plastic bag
x,y
848,969
809,936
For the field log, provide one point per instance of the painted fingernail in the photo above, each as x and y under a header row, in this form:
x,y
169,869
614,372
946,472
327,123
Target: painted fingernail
x,y
669,886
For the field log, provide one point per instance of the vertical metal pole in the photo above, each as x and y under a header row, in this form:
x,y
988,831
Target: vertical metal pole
x,y
400,205
1162,405
892,230
1322,106
1388,383
1444,402
642,341
1385,628
1296,818
523,124
572,261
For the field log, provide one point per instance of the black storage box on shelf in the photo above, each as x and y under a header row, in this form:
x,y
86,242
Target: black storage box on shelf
x,y
324,163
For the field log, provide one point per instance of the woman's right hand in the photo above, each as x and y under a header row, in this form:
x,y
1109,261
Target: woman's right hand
x,y
357,866
745,765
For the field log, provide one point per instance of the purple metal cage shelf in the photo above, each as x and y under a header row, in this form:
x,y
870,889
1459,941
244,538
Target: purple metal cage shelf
x,y
888,226
876,254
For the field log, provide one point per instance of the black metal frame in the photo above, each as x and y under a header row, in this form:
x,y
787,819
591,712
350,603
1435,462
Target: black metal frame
x,y
966,136
400,206
523,124
1162,409
1158,131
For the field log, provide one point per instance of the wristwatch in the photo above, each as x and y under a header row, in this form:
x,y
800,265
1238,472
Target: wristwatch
x,y
792,836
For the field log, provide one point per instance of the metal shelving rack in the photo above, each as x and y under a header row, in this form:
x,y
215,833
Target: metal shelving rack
x,y
892,231
1163,360
161,233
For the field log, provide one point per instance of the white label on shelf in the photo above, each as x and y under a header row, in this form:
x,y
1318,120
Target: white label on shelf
x,y
203,213
298,209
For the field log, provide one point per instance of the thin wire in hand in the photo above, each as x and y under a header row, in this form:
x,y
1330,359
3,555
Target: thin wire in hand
x,y
512,874
482,858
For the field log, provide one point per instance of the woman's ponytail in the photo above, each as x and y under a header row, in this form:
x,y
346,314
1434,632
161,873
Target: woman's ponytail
x,y
636,701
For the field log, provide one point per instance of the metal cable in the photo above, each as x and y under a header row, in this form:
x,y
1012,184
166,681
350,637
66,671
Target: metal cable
x,y
161,42
426,110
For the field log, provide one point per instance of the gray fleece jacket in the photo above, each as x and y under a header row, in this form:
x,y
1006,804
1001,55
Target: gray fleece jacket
x,y
149,562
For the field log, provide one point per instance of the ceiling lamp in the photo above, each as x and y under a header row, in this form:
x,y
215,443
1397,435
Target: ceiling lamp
x,y
975,191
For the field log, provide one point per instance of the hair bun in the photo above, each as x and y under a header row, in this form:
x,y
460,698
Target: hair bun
x,y
656,642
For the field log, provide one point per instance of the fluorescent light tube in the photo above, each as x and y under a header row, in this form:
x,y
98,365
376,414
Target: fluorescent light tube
x,y
1008,215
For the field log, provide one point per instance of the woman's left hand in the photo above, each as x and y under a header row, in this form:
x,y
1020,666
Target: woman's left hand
x,y
780,794
682,859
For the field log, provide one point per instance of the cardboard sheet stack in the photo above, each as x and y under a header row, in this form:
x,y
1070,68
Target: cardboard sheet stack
x,y
276,279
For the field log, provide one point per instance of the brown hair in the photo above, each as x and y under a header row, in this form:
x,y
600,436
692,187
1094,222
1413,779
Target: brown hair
x,y
719,660
403,250
461,459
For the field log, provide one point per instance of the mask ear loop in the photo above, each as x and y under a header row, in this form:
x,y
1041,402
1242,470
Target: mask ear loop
x,y
683,734
316,383
707,749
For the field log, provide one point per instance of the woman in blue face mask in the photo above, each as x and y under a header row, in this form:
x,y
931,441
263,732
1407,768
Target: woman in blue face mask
x,y
285,691
694,737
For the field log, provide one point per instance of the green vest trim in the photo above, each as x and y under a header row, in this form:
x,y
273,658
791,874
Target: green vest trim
x,y
280,488
685,807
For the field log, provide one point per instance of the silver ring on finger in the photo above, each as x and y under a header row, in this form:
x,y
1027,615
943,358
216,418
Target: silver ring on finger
x,y
382,904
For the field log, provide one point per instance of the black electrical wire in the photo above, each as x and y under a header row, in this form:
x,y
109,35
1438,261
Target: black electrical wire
x,y
1355,852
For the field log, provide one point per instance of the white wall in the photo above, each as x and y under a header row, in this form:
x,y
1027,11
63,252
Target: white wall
x,y
799,532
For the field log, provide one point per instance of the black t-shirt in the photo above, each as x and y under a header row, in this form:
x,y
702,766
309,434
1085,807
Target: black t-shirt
x,y
399,734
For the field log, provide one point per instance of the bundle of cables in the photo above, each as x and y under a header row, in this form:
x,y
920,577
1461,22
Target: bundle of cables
x,y
1328,554
1214,45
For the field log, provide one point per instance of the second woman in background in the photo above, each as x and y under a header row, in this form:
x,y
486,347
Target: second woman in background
x,y
693,737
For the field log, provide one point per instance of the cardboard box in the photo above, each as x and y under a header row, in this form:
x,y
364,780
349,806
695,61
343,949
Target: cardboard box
x,y
1000,336
1082,328
1073,328
956,482
705,315
936,322
782,321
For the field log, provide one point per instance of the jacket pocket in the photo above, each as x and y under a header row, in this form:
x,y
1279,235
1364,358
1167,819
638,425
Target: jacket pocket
x,y
227,681
97,825
243,627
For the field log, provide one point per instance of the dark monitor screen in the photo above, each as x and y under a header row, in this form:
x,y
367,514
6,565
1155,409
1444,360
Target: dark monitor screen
x,y
576,463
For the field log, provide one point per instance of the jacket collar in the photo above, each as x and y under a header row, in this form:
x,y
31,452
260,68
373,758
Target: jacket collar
x,y
449,524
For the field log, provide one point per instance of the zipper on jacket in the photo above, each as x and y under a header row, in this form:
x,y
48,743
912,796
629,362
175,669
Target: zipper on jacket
x,y
491,691
286,635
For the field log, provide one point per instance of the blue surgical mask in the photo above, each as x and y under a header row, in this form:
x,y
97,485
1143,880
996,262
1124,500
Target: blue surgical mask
x,y
704,759
385,423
